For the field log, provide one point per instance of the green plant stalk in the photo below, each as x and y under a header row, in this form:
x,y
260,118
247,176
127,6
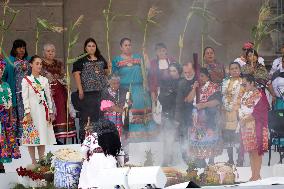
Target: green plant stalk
x,y
107,33
37,39
3,24
68,82
182,36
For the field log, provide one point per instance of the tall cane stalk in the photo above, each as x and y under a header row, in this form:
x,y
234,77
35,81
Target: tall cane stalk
x,y
72,40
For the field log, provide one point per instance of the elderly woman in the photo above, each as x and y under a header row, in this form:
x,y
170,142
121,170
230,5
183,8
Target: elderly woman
x,y
117,96
253,120
13,75
54,70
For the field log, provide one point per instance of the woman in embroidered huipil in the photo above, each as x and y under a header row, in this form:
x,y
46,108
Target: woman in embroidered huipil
x,y
90,77
37,123
100,150
128,67
204,138
53,70
253,121
232,92
8,147
215,69
13,75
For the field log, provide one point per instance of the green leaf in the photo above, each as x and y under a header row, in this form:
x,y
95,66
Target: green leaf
x,y
72,60
74,40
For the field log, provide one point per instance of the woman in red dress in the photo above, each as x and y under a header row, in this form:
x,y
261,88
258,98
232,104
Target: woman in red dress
x,y
54,71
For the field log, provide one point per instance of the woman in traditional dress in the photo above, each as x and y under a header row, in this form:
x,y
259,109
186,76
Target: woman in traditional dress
x,y
158,72
100,150
17,68
232,92
215,69
259,72
8,147
37,123
253,121
90,78
167,98
128,67
117,96
53,70
204,139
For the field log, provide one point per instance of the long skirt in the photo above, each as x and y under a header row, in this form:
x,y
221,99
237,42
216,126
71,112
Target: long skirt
x,y
141,124
8,146
60,124
204,137
248,136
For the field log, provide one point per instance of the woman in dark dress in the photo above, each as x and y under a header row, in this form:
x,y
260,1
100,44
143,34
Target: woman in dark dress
x,y
90,77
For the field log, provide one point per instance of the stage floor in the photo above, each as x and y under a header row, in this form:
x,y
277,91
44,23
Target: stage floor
x,y
137,156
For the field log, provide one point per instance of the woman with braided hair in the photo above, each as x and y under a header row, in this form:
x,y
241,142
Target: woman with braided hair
x,y
100,150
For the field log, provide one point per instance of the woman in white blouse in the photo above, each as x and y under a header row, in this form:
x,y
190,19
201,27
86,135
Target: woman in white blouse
x,y
37,127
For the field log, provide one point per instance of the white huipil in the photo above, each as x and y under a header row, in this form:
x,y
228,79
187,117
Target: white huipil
x,y
94,163
32,105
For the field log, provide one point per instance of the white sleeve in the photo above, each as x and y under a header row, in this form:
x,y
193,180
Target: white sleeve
x,y
275,65
48,95
274,85
85,147
25,96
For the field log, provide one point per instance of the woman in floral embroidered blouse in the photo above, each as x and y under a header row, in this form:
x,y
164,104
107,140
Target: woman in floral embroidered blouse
x,y
37,123
8,146
204,136
232,92
253,120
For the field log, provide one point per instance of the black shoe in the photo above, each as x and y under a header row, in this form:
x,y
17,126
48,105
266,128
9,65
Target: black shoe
x,y
2,170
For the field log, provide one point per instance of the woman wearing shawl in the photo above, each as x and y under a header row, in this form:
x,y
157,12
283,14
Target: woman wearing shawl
x,y
253,117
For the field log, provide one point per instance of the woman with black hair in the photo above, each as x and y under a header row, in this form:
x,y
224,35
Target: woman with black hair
x,y
100,150
215,69
253,115
90,78
17,68
232,92
204,139
167,98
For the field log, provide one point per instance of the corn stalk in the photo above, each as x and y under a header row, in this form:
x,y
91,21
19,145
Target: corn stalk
x,y
207,16
109,19
263,28
72,40
152,13
3,25
44,24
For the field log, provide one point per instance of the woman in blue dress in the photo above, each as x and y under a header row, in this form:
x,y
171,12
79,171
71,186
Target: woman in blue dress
x,y
129,68
13,75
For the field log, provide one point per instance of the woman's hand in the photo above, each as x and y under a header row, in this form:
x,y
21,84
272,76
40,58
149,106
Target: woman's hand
x,y
28,118
116,109
200,106
195,85
51,117
81,95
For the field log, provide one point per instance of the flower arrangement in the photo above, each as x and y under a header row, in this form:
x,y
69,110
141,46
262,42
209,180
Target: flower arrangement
x,y
39,175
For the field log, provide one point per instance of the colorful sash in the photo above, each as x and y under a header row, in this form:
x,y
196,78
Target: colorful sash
x,y
42,100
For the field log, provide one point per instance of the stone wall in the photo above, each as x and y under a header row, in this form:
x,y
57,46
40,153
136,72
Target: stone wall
x,y
232,29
